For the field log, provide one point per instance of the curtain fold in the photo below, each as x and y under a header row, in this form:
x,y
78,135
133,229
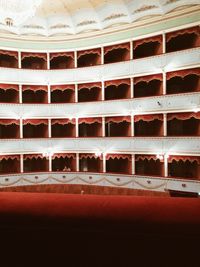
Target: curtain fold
x,y
9,86
61,54
33,156
63,87
171,35
148,78
184,158
90,120
12,157
29,54
89,85
9,121
148,117
157,38
183,116
35,88
9,53
117,46
35,121
117,82
87,52
147,157
63,121
89,156
118,156
183,73
118,119
64,155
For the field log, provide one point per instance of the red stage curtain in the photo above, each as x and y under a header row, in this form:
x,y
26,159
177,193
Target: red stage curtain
x,y
183,116
148,78
89,85
90,156
157,38
89,120
117,46
147,157
63,121
87,52
33,156
184,158
9,121
183,73
151,117
117,82
118,119
119,156
9,53
35,88
171,35
29,54
64,155
63,87
35,121
61,54
9,86
12,157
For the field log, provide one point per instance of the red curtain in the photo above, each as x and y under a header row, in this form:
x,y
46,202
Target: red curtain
x,y
117,82
183,73
12,157
63,121
171,35
148,117
40,55
117,46
9,86
9,53
89,85
147,157
89,120
33,156
157,38
9,121
87,52
63,87
64,155
61,54
35,88
90,156
35,121
148,78
118,156
183,116
118,119
184,158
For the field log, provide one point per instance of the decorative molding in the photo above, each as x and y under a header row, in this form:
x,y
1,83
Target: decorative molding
x,y
144,8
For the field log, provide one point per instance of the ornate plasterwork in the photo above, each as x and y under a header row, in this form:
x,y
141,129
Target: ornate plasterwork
x,y
115,16
144,8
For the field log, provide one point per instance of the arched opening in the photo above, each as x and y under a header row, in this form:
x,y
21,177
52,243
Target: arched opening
x,y
147,47
183,124
117,89
8,59
35,163
183,81
151,85
35,128
34,61
64,162
183,39
34,94
116,53
9,164
9,128
186,167
118,126
63,128
62,60
90,163
149,165
88,58
119,163
90,127
63,93
89,92
9,93
148,125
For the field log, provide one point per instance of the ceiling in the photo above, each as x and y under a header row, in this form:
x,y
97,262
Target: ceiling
x,y
70,17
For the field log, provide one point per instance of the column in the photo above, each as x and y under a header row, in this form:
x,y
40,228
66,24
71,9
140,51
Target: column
x,y
75,59
21,163
21,128
132,88
132,125
102,55
104,162
49,128
19,59
103,127
102,91
165,124
50,162
131,50
20,93
164,83
164,42
76,93
48,61
49,93
166,165
133,163
76,127
77,162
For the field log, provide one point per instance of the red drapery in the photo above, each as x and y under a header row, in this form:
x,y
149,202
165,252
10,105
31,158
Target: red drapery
x,y
35,121
63,87
35,88
89,156
87,52
9,121
64,155
63,121
118,119
183,73
147,157
183,158
7,157
89,85
89,120
148,117
148,78
33,156
171,35
157,38
117,82
9,53
117,46
118,156
183,116
9,86
40,55
61,54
